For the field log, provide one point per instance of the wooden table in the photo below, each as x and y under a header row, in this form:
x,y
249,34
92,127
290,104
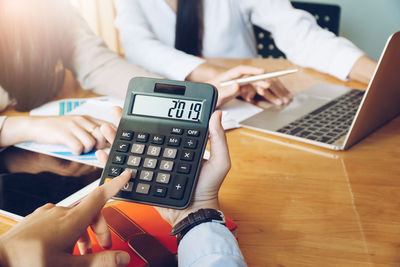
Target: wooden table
x,y
299,205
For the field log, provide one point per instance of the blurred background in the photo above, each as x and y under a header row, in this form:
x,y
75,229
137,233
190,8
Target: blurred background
x,y
368,23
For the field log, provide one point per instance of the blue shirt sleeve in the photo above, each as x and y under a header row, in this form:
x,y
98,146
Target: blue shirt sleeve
x,y
210,244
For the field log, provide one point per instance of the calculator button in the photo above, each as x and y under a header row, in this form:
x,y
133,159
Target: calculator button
x,y
184,168
163,178
150,163
142,137
143,189
160,191
187,155
119,159
154,151
126,135
166,165
123,147
190,143
157,139
114,171
193,133
177,131
137,148
174,141
146,175
133,172
134,161
178,187
128,187
170,153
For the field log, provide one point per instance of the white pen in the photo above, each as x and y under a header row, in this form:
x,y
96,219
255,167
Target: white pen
x,y
246,80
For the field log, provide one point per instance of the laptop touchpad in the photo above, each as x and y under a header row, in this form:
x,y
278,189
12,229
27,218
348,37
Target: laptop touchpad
x,y
274,118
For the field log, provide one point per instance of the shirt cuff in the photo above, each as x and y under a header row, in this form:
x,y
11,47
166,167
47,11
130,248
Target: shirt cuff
x,y
182,67
210,244
344,61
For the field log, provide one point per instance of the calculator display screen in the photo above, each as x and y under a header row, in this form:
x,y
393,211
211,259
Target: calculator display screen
x,y
172,108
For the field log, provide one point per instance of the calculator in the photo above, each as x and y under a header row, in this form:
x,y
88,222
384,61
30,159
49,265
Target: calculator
x,y
161,138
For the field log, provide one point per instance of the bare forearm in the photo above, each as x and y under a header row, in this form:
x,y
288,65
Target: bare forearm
x,y
15,130
363,69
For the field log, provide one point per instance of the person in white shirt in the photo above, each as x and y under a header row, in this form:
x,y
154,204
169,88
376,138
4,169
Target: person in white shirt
x,y
48,235
39,41
174,38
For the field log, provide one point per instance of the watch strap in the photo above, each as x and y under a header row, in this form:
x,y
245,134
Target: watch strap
x,y
196,218
147,247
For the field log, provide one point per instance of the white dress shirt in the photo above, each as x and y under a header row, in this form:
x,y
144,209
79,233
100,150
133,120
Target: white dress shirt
x,y
210,244
147,32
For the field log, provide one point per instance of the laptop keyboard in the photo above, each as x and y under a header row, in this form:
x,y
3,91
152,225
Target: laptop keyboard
x,y
328,123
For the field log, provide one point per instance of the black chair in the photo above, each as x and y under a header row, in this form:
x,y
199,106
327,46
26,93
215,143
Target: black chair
x,y
327,17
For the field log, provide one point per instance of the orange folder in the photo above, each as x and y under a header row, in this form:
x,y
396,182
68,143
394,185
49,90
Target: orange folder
x,y
149,220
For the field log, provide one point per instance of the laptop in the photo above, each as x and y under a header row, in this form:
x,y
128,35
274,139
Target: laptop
x,y
337,117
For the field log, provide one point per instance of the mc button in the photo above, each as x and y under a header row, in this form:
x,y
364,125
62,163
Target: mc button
x,y
127,135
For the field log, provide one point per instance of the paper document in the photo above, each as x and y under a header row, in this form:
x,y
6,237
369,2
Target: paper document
x,y
63,152
98,107
58,108
236,111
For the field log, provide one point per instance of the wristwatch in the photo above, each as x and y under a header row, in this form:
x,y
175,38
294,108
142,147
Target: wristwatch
x,y
196,218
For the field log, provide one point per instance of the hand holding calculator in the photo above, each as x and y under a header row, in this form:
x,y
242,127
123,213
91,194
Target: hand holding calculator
x,y
161,138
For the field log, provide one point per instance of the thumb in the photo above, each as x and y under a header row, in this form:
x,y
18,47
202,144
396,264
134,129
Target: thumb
x,y
218,144
102,157
101,259
116,113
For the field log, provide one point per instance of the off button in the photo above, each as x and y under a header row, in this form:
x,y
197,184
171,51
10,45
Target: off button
x,y
193,133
